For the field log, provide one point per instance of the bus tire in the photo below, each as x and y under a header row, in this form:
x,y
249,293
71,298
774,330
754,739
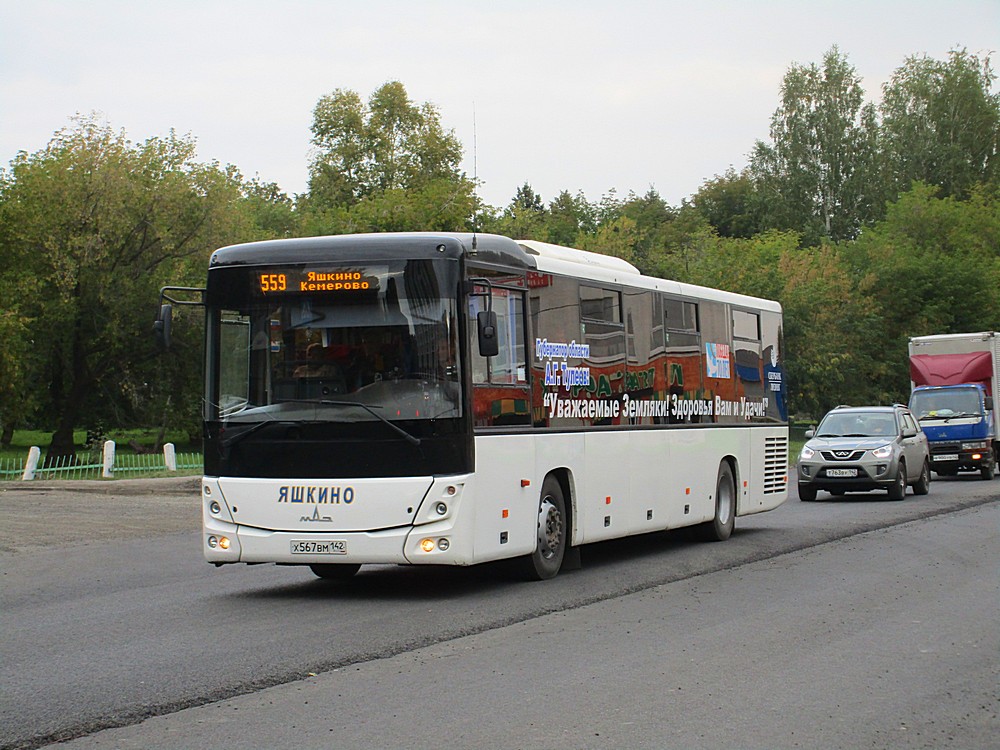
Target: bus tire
x,y
720,528
552,534
334,571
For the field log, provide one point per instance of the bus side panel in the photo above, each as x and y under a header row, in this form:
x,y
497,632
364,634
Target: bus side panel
x,y
650,489
697,454
603,499
506,513
670,477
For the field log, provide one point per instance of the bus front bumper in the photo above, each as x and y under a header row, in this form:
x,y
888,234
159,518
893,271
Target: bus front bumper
x,y
427,544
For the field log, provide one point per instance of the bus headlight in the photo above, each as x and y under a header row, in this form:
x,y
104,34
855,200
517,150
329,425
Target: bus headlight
x,y
429,545
218,542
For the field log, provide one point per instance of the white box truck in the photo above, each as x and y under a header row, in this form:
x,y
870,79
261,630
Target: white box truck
x,y
955,382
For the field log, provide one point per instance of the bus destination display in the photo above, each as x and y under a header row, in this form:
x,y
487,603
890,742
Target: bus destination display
x,y
290,281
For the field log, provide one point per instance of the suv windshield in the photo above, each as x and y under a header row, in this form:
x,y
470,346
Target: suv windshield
x,y
858,424
337,343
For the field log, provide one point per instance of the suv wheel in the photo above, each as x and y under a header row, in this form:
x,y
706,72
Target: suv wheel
x,y
898,489
923,485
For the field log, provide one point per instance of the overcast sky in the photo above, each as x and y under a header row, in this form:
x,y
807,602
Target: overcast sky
x,y
563,94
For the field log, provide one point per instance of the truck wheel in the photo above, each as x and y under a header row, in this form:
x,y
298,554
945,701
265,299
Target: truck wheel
x,y
923,485
986,471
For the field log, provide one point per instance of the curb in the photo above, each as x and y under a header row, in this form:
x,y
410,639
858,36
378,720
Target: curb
x,y
149,486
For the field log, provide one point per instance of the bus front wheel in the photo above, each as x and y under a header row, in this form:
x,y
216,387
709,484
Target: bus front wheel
x,y
721,526
551,536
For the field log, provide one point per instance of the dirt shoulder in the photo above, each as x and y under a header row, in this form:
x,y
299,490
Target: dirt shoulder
x,y
43,513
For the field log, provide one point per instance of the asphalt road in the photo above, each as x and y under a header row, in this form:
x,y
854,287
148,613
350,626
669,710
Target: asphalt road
x,y
837,624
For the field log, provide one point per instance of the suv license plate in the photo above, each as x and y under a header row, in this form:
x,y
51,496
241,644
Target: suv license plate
x,y
946,457
334,547
841,472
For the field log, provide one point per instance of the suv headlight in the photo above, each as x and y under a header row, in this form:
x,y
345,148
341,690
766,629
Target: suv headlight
x,y
883,452
806,453
979,446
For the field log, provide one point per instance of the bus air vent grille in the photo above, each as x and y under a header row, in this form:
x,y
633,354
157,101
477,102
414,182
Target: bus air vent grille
x,y
775,464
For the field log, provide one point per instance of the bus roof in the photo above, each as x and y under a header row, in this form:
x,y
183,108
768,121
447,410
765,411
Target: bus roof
x,y
533,255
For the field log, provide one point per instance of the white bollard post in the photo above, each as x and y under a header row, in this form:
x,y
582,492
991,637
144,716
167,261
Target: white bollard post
x,y
31,464
109,459
170,457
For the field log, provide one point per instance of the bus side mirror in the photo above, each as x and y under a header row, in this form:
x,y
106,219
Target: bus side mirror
x,y
161,326
486,322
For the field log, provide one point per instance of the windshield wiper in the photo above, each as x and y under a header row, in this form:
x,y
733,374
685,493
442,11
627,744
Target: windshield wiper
x,y
949,417
413,440
229,442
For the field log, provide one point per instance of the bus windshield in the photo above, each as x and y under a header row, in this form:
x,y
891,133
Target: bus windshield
x,y
334,343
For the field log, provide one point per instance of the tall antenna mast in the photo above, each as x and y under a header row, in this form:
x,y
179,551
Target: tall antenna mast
x,y
475,179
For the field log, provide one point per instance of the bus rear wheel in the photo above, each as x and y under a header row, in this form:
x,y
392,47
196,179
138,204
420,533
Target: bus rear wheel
x,y
721,527
552,534
334,572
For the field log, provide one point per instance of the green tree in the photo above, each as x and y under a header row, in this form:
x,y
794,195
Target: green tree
x,y
680,246
832,329
820,174
524,218
729,204
384,165
269,208
568,216
941,123
95,225
935,265
617,237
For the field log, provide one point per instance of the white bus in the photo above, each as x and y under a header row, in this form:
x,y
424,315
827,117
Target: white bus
x,y
452,399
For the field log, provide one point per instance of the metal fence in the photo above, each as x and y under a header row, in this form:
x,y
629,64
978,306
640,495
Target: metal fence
x,y
91,466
